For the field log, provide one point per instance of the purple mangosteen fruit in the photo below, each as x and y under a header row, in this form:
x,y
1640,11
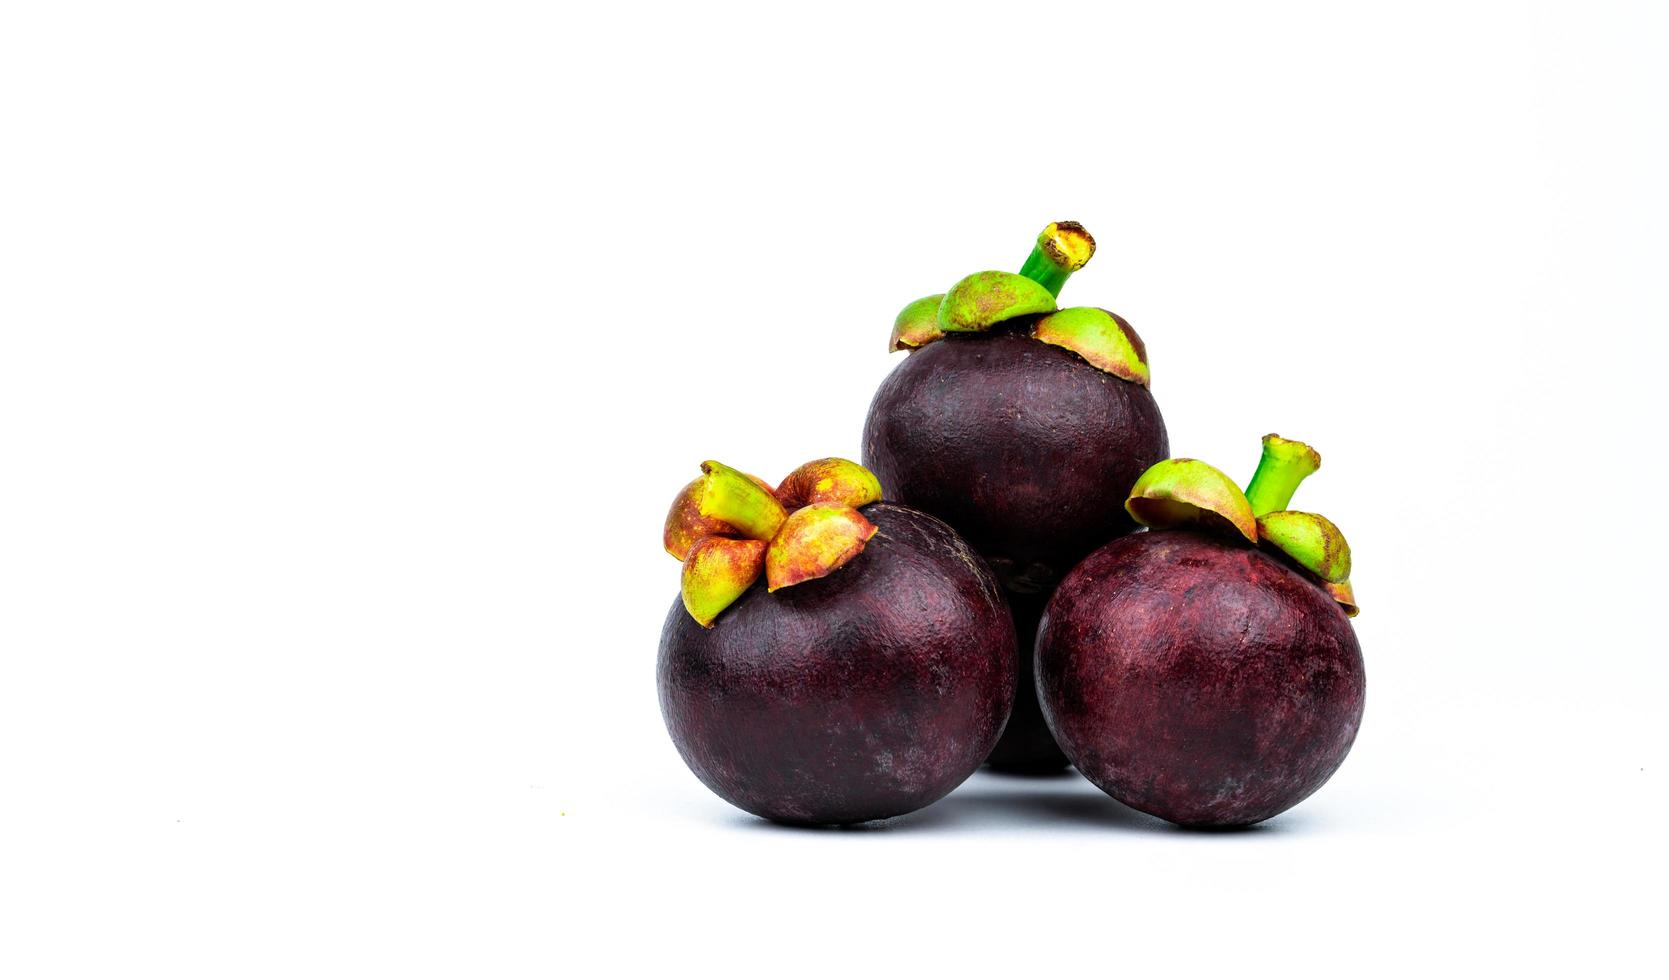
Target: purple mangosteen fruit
x,y
1020,424
871,675
1206,671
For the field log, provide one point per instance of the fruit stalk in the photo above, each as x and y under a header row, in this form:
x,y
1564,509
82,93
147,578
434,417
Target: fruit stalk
x,y
1285,464
1062,249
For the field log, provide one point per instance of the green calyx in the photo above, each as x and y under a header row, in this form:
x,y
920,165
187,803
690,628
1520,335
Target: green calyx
x,y
1104,339
729,528
985,299
1183,491
917,324
1310,540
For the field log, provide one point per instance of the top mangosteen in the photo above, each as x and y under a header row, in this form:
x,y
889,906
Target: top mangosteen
x,y
868,679
1020,424
1206,672
1023,426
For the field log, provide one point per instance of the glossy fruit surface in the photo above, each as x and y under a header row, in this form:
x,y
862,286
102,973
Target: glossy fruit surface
x,y
864,694
1199,679
1023,447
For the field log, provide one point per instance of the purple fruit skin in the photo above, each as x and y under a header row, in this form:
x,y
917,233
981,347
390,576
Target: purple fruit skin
x,y
1023,447
1199,680
1027,745
865,694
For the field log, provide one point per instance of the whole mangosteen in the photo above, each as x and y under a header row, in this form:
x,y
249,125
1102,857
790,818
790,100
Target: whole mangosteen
x,y
1207,673
1020,424
869,678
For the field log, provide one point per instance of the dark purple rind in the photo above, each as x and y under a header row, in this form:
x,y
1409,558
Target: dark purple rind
x,y
1023,447
1199,680
1027,746
865,694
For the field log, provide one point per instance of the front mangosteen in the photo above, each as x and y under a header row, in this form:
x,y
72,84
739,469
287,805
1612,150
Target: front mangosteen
x,y
1020,424
1207,672
869,678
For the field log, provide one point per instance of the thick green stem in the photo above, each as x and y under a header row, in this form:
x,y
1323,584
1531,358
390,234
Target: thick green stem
x,y
1061,249
1284,466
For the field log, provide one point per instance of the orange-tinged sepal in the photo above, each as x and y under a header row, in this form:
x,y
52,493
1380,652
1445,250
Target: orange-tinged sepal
x,y
814,541
829,481
1344,595
1188,491
685,525
717,572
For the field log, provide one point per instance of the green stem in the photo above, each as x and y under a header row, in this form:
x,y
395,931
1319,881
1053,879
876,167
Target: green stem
x,y
1061,249
1285,464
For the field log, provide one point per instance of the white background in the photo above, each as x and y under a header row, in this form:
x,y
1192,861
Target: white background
x,y
353,351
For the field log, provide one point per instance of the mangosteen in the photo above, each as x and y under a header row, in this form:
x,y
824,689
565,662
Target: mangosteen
x,y
1206,671
871,675
1020,424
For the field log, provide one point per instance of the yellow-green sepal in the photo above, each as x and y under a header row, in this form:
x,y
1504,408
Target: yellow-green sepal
x,y
1187,491
1102,338
717,572
917,324
684,524
1311,540
731,496
985,299
829,481
814,541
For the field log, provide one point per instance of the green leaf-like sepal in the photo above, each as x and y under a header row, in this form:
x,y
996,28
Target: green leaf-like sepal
x,y
1313,541
1102,338
917,324
1187,491
731,496
985,299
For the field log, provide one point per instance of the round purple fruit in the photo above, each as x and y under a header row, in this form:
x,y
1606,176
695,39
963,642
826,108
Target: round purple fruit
x,y
1020,424
1207,672
869,678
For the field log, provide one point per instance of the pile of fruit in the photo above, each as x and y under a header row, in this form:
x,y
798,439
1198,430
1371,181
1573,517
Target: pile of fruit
x,y
1017,576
